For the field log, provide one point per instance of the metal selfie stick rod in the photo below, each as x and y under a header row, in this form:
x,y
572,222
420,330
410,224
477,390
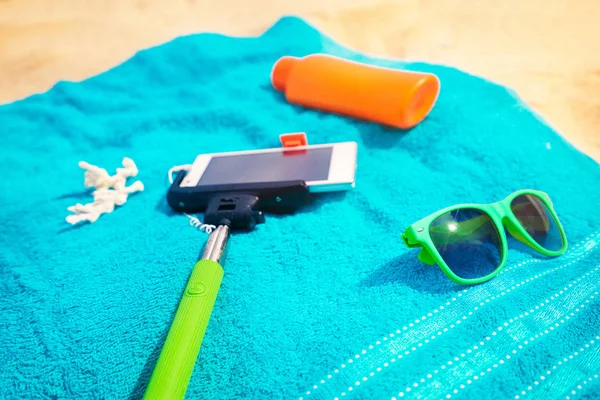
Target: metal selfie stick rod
x,y
176,361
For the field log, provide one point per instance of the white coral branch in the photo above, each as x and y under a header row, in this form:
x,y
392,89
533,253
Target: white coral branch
x,y
110,191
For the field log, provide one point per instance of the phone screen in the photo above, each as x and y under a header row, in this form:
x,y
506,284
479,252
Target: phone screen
x,y
307,165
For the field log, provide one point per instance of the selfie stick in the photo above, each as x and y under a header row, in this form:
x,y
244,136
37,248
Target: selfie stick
x,y
175,364
178,356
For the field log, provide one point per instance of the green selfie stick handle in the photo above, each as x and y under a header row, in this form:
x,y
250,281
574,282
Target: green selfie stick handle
x,y
175,364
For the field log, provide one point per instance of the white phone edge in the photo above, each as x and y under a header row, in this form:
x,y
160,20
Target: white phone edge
x,y
342,168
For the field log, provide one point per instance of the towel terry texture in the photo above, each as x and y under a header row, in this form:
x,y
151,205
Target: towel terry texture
x,y
323,304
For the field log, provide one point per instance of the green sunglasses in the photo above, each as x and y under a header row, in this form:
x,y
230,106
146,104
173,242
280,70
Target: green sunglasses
x,y
468,241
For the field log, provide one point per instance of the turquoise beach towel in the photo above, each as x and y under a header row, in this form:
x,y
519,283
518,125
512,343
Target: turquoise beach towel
x,y
323,304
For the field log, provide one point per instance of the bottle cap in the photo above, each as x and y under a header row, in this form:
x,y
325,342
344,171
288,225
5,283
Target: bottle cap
x,y
281,71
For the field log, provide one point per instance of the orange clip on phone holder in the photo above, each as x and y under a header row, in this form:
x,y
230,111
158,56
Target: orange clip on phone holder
x,y
291,140
388,96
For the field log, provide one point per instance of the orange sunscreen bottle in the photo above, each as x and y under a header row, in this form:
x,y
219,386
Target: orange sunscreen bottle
x,y
388,96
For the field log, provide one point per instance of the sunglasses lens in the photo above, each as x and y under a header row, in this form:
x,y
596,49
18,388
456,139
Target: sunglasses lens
x,y
537,220
468,241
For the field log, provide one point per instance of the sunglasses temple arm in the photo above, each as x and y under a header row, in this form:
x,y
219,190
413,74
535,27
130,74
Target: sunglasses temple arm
x,y
424,255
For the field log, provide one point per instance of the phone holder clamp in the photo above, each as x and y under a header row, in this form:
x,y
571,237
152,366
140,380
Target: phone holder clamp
x,y
238,212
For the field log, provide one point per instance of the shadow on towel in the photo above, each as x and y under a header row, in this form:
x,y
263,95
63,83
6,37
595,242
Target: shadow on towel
x,y
378,136
76,195
163,207
407,270
142,381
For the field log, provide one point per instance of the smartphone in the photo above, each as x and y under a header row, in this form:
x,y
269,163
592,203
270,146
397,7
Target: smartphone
x,y
318,168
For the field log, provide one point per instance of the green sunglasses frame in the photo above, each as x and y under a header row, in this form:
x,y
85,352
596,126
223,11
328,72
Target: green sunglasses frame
x,y
501,215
